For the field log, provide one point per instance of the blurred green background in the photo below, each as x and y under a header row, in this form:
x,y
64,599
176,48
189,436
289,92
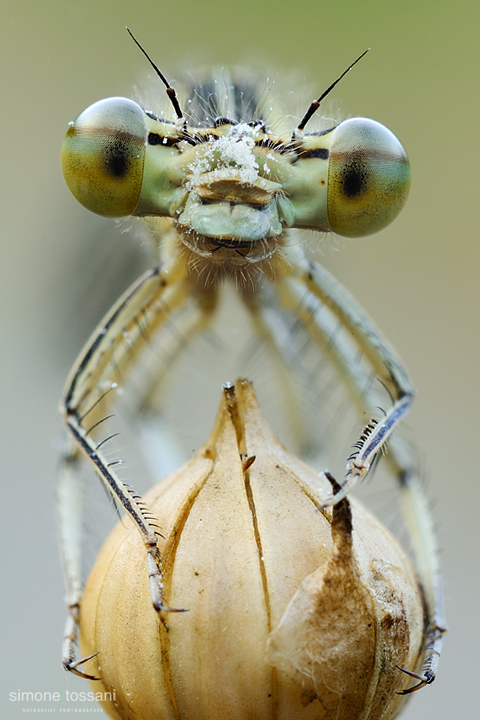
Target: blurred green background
x,y
419,278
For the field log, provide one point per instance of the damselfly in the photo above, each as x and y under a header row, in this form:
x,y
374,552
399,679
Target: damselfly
x,y
228,195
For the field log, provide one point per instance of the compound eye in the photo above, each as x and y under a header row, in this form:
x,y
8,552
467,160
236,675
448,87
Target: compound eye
x,y
368,178
103,155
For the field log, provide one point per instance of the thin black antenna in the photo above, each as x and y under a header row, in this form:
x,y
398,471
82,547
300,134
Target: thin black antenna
x,y
316,103
170,90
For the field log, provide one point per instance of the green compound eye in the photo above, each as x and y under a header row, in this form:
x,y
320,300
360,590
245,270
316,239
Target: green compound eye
x,y
368,178
103,156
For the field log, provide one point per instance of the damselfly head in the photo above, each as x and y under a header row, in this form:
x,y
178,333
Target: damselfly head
x,y
231,187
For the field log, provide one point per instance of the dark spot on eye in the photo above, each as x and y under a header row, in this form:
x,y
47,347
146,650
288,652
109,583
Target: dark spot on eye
x,y
117,161
355,179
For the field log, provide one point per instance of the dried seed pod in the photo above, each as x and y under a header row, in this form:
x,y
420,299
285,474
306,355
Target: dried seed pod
x,y
293,612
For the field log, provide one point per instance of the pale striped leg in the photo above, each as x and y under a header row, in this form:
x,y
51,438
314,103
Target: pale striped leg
x,y
107,357
365,337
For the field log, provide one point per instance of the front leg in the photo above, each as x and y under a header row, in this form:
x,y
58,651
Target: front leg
x,y
309,290
106,359
363,338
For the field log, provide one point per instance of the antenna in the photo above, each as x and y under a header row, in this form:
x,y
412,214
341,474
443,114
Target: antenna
x,y
316,103
170,90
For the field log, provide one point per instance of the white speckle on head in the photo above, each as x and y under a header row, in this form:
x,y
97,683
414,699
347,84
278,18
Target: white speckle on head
x,y
231,151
